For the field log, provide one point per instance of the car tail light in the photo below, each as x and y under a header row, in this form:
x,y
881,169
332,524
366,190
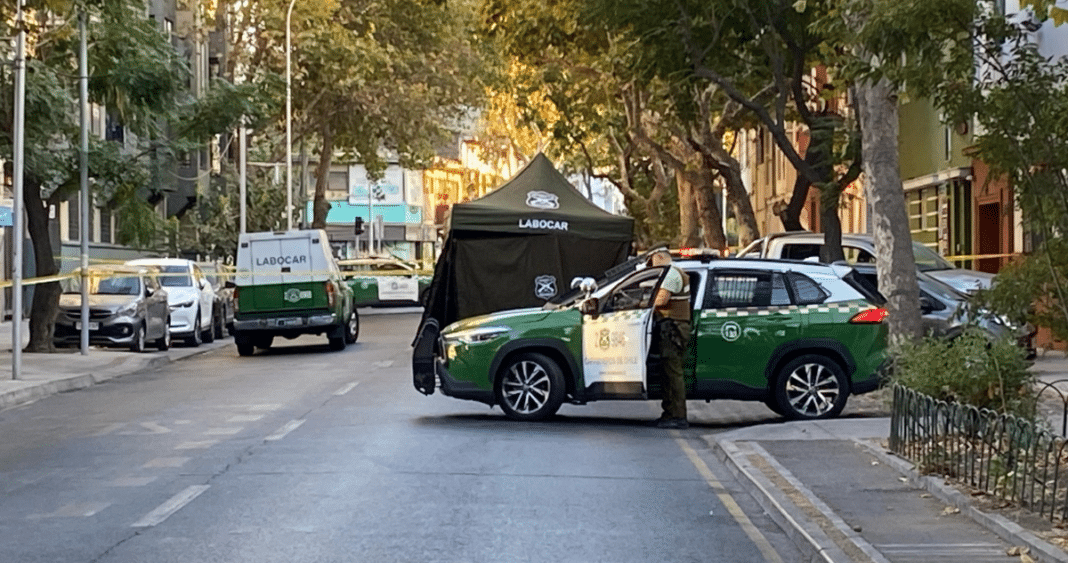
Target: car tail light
x,y
331,293
237,299
870,316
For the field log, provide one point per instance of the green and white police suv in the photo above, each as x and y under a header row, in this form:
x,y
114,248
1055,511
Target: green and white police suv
x,y
801,337
288,284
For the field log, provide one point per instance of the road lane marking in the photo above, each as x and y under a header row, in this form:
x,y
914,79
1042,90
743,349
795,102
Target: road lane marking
x,y
83,510
108,429
166,462
148,428
264,407
346,388
245,418
199,445
384,364
286,429
132,481
728,502
174,504
226,431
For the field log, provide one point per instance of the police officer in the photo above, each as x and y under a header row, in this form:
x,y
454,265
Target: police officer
x,y
672,316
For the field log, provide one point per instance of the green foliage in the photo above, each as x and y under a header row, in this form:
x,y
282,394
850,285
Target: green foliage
x,y
969,369
1033,289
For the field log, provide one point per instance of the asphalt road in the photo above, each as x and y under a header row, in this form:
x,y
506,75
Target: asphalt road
x,y
299,454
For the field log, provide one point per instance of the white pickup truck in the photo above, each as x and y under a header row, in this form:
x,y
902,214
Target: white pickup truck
x,y
860,249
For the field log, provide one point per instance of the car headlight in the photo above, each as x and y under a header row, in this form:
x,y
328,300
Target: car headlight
x,y
183,304
476,335
128,311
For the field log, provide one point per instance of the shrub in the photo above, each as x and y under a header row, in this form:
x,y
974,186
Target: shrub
x,y
969,369
1033,289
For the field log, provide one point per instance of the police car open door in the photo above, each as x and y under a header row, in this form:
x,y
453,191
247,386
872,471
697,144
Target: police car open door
x,y
615,339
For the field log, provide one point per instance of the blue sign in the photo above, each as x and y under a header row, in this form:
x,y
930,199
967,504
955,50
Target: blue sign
x,y
6,219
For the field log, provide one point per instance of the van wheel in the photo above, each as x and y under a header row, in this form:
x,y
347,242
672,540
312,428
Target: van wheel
x,y
338,338
245,349
352,331
194,339
138,344
530,387
264,342
811,387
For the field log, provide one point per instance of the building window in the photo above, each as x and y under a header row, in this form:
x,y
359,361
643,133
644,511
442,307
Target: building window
x,y
73,232
105,226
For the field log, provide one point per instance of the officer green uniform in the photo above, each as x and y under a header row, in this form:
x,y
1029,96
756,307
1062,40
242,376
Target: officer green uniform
x,y
673,326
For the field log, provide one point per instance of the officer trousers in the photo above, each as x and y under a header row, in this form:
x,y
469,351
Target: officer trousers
x,y
674,339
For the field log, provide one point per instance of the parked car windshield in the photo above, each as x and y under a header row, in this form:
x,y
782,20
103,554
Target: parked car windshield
x,y
175,276
118,285
928,260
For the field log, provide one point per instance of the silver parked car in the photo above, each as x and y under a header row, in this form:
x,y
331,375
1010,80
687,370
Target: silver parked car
x,y
945,311
127,307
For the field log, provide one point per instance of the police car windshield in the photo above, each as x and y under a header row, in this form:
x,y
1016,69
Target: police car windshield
x,y
613,274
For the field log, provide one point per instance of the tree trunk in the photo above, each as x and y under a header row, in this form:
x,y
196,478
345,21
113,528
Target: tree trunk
x,y
738,198
877,105
709,215
688,226
45,295
320,206
817,156
831,225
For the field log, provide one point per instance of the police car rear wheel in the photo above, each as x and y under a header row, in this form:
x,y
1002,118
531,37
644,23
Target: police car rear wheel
x,y
530,387
811,387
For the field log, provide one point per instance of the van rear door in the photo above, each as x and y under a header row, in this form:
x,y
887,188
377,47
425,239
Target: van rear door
x,y
280,260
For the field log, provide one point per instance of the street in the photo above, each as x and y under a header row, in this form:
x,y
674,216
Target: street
x,y
302,454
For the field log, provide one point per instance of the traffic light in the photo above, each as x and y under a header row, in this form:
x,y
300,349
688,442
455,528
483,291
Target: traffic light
x,y
359,225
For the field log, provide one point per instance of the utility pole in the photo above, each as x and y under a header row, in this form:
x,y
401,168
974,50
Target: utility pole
x,y
17,165
83,86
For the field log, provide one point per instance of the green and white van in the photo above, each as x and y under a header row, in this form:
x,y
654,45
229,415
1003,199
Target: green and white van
x,y
288,284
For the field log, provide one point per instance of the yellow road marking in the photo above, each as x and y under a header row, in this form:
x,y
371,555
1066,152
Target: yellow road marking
x,y
728,502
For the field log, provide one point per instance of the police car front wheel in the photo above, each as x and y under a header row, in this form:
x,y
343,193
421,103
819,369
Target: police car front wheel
x,y
531,387
811,387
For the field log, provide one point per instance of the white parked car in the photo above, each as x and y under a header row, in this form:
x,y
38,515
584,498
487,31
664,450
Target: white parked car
x,y
860,249
190,296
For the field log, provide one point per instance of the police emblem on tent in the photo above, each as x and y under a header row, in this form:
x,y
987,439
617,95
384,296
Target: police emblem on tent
x,y
545,287
542,200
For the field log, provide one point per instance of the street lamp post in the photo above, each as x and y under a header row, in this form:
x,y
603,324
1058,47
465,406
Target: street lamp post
x,y
289,124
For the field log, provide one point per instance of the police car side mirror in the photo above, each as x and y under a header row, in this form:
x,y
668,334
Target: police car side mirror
x,y
926,305
590,306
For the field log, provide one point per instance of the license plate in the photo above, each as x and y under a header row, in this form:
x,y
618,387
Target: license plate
x,y
93,325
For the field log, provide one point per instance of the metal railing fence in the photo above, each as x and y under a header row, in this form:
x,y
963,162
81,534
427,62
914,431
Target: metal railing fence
x,y
1010,458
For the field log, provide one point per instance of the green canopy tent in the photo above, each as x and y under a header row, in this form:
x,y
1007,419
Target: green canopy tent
x,y
521,245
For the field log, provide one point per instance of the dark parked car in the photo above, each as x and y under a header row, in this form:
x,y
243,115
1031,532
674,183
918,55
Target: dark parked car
x,y
222,318
127,307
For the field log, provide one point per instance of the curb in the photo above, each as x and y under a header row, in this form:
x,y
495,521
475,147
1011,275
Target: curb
x,y
806,535
117,368
1003,527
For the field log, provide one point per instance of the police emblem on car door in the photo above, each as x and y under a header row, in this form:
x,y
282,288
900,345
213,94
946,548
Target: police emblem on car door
x,y
615,339
744,316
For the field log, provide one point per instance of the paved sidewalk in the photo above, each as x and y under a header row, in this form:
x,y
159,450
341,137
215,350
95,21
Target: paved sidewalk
x,y
46,374
842,497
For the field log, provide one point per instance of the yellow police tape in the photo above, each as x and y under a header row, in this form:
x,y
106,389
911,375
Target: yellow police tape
x,y
73,275
980,256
